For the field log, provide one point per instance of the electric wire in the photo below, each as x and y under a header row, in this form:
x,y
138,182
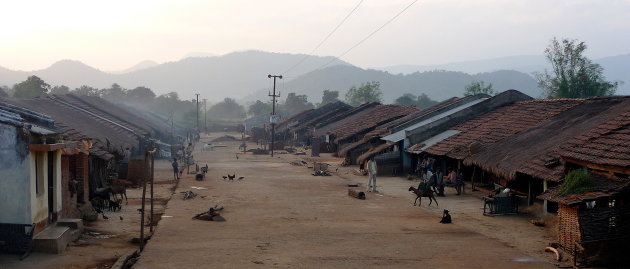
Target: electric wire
x,y
368,36
324,40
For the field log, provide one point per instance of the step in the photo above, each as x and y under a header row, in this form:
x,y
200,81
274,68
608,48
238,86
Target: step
x,y
76,224
53,239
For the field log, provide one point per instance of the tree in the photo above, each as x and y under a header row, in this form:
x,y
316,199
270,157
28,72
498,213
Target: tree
x,y
32,87
424,101
115,94
259,108
140,95
61,89
297,103
86,90
4,91
329,96
406,99
478,87
367,92
573,75
227,109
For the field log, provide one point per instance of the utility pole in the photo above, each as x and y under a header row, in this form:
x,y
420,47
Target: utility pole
x,y
273,110
197,112
205,115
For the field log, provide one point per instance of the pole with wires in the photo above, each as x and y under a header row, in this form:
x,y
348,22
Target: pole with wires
x,y
205,116
197,112
273,110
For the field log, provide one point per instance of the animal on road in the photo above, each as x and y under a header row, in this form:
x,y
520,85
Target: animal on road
x,y
423,193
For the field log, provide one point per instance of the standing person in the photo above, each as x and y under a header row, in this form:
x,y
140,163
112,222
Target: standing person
x,y
460,182
372,170
175,169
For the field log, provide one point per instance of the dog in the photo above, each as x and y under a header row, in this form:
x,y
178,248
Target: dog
x,y
446,217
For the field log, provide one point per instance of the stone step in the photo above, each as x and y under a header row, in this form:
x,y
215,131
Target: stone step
x,y
76,224
53,239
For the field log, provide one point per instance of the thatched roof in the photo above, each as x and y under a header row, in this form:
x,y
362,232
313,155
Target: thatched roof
x,y
536,151
373,151
499,124
604,187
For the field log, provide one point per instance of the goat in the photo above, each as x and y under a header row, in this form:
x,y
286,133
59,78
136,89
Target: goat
x,y
204,169
231,177
423,193
119,189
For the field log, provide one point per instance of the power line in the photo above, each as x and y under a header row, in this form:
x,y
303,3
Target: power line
x,y
324,40
370,35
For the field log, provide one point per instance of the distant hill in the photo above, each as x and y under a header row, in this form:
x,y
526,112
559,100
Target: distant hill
x,y
139,66
438,85
236,74
616,68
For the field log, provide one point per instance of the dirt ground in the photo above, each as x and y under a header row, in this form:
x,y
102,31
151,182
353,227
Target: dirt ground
x,y
281,216
104,240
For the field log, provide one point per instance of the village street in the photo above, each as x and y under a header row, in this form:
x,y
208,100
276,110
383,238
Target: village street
x,y
281,216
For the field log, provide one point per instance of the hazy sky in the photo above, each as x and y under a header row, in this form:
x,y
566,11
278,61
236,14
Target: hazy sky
x,y
116,34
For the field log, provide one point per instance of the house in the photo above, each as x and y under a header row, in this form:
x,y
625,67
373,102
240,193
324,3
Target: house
x,y
33,194
451,147
531,161
371,143
299,128
435,126
594,227
363,119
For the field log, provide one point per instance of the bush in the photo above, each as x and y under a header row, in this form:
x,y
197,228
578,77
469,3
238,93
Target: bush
x,y
577,181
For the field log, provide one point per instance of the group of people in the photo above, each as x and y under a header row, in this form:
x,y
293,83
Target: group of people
x,y
437,182
185,155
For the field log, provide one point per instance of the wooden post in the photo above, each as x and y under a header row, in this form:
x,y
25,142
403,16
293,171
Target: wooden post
x,y
144,192
152,180
529,191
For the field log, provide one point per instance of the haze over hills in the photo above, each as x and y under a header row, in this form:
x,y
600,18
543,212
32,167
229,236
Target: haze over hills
x,y
243,75
615,67
438,85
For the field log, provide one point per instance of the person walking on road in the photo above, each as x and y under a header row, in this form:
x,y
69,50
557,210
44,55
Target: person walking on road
x,y
175,169
372,170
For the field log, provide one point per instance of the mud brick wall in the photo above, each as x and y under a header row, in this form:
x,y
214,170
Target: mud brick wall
x,y
136,171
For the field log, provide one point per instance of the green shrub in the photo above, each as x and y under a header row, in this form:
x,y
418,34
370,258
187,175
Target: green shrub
x,y
577,181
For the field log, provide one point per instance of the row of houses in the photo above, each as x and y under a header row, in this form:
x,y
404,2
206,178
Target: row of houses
x,y
57,150
507,140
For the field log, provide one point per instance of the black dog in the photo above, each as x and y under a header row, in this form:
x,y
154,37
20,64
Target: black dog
x,y
446,217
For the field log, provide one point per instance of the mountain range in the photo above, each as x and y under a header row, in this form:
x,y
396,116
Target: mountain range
x,y
243,75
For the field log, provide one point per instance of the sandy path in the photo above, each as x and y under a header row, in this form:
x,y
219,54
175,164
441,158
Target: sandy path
x,y
281,216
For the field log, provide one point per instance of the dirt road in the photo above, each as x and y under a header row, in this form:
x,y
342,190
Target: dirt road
x,y
281,216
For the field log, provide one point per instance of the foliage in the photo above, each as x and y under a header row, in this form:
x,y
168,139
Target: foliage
x,y
424,101
367,92
297,103
259,108
115,94
577,181
573,75
409,99
61,89
32,87
228,109
4,91
86,90
478,87
140,95
329,96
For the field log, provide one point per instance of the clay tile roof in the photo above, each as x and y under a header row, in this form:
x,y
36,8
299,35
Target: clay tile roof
x,y
606,144
499,124
536,151
366,120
